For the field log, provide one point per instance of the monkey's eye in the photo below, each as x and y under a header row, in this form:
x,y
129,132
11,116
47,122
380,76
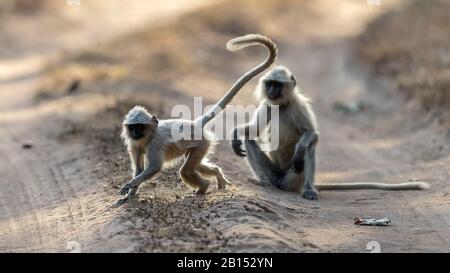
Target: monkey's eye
x,y
277,84
274,84
136,127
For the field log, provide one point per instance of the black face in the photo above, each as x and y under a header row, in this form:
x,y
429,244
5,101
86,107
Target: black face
x,y
273,89
136,131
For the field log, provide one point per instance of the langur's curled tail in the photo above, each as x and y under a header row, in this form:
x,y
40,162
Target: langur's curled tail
x,y
374,186
234,45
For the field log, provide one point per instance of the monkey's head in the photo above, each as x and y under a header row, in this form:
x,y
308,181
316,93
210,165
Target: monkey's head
x,y
277,85
139,124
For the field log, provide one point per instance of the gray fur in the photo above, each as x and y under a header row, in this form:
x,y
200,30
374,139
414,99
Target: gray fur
x,y
137,115
292,166
237,44
158,146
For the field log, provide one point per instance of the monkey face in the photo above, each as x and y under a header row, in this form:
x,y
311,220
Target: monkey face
x,y
136,131
273,89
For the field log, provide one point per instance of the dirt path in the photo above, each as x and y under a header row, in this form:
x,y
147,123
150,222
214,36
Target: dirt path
x,y
384,142
47,202
48,199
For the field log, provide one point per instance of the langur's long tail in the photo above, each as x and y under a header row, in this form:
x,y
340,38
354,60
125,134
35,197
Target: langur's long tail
x,y
373,186
234,45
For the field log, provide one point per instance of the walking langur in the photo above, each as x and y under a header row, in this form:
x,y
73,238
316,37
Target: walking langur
x,y
146,136
292,166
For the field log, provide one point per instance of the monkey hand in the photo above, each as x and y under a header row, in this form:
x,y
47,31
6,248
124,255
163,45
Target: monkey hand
x,y
120,202
298,164
127,188
237,147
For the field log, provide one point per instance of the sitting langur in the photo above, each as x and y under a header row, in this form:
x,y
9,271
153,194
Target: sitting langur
x,y
151,142
291,167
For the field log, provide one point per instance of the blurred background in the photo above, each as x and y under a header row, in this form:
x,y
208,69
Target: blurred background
x,y
378,73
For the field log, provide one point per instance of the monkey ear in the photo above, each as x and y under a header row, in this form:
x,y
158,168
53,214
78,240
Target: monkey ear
x,y
293,80
155,119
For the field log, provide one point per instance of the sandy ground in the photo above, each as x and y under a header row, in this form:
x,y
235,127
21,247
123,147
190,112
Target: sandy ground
x,y
60,189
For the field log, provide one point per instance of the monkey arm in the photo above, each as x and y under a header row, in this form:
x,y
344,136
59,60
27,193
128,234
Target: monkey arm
x,y
308,139
256,126
236,144
137,161
155,163
152,169
304,160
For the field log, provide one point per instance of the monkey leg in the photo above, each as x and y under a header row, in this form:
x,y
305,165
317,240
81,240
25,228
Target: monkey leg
x,y
305,162
266,171
208,169
189,170
309,190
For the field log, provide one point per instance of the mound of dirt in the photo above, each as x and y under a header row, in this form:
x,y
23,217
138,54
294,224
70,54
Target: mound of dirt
x,y
168,215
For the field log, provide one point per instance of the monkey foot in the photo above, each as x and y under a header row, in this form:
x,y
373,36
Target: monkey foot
x,y
310,195
223,184
254,181
201,192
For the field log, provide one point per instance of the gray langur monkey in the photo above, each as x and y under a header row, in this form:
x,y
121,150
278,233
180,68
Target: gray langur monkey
x,y
151,140
292,166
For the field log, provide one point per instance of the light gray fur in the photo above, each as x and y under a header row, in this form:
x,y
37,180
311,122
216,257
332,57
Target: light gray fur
x,y
298,137
234,45
159,146
138,115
